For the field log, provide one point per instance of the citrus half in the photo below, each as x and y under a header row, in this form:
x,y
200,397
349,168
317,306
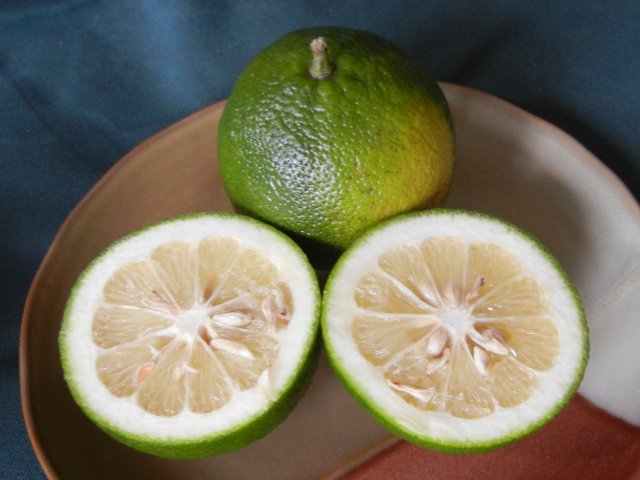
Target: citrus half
x,y
457,331
193,336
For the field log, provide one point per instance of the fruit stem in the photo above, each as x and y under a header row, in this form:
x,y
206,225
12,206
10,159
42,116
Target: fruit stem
x,y
320,67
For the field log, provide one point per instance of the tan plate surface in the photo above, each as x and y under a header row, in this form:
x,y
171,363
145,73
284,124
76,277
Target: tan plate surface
x,y
510,163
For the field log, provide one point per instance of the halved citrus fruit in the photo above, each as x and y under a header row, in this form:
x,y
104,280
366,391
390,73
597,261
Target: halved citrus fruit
x,y
193,336
457,331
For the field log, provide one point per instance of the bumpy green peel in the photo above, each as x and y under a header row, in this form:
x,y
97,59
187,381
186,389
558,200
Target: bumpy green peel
x,y
325,158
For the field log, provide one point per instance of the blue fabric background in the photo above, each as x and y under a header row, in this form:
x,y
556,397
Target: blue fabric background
x,y
82,82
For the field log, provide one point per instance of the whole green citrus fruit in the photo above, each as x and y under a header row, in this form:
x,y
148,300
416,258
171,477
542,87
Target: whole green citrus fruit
x,y
330,130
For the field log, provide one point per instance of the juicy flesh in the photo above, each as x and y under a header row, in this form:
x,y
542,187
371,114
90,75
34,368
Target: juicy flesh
x,y
455,327
191,325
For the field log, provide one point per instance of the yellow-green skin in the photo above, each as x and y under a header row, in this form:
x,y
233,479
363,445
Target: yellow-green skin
x,y
326,158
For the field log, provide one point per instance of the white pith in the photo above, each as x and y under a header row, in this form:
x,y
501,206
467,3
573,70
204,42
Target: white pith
x,y
458,320
124,413
189,320
553,384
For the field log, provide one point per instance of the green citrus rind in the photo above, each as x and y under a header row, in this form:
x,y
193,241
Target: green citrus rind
x,y
387,419
326,159
241,434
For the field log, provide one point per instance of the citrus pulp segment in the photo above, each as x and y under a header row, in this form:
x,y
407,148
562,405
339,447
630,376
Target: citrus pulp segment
x,y
326,156
455,330
193,336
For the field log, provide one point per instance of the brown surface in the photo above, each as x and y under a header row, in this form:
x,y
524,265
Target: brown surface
x,y
174,172
583,443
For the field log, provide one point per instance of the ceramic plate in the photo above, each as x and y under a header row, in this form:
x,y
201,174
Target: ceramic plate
x,y
511,164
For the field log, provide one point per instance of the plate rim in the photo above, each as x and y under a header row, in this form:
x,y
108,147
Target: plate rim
x,y
31,298
587,158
